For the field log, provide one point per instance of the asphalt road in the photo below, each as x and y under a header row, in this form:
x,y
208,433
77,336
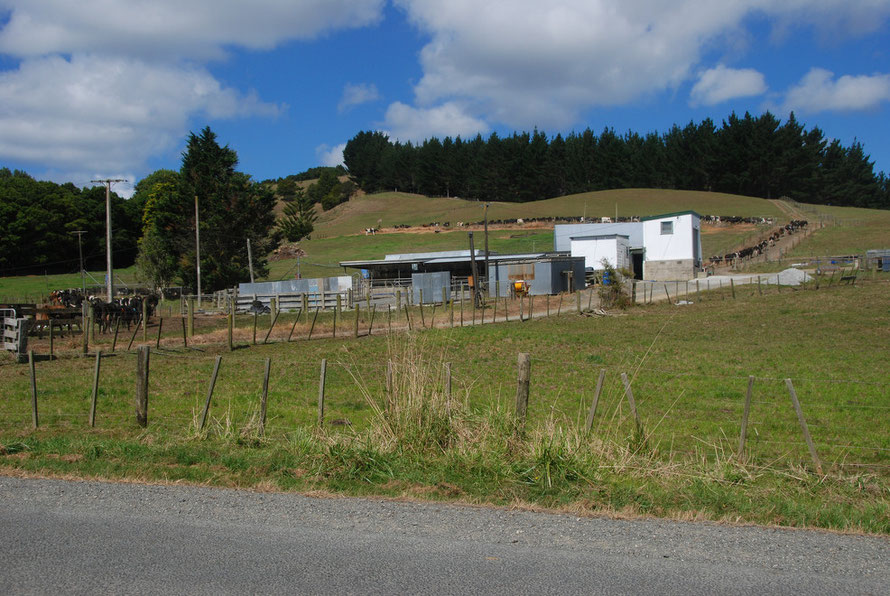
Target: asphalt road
x,y
87,537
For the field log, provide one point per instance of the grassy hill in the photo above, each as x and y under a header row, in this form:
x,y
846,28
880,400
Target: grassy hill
x,y
384,210
339,232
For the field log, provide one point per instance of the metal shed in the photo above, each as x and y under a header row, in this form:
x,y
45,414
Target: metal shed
x,y
543,274
879,259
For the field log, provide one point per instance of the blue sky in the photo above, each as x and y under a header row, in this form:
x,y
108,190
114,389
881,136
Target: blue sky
x,y
111,88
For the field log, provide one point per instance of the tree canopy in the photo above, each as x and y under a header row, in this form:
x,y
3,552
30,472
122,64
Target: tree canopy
x,y
748,155
37,219
231,207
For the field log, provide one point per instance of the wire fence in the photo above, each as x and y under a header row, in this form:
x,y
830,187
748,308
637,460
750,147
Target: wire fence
x,y
682,413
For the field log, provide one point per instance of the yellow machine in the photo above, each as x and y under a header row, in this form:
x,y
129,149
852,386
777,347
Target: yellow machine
x,y
520,288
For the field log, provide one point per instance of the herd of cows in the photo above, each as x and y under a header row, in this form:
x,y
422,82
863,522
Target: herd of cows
x,y
757,249
126,310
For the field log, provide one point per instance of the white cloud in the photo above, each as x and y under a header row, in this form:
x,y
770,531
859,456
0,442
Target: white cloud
x,y
354,95
720,84
330,156
107,114
528,63
106,84
819,91
172,28
407,123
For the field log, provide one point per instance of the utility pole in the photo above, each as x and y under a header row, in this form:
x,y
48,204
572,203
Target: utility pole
x,y
477,293
108,182
250,260
83,282
198,249
487,273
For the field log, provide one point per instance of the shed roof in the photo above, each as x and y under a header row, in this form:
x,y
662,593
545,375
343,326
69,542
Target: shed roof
x,y
667,215
600,237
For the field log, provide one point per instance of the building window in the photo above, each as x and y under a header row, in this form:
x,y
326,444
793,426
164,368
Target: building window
x,y
667,227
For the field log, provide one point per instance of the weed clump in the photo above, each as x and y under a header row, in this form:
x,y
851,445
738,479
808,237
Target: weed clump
x,y
614,294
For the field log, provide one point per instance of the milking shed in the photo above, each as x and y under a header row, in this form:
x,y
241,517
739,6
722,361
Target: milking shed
x,y
542,273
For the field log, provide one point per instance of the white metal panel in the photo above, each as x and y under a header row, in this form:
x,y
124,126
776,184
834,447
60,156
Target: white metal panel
x,y
614,249
678,245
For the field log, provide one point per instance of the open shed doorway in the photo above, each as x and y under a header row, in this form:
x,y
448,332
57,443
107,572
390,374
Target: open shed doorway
x,y
636,257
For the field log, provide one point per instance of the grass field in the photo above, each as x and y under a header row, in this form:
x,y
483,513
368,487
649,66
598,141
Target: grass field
x,y
689,368
384,210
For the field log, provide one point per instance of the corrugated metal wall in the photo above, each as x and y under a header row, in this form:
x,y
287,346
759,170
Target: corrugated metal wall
x,y
432,285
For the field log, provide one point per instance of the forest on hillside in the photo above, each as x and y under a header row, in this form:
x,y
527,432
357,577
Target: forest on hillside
x,y
38,221
757,156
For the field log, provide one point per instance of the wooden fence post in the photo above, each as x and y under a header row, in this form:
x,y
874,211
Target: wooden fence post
x,y
142,358
630,400
265,397
144,321
190,303
255,317
84,328
357,312
230,325
461,305
336,311
321,382
803,426
522,386
398,300
667,294
408,317
210,392
185,342
271,326
34,419
135,331
743,436
160,325
578,301
389,317
312,326
732,286
52,355
596,398
371,323
95,395
474,305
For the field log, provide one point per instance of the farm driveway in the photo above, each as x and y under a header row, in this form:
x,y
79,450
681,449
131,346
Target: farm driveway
x,y
90,537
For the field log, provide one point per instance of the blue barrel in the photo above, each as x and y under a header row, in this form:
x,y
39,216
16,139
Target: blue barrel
x,y
606,278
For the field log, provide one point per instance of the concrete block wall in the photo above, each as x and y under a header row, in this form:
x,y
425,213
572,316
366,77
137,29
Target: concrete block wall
x,y
676,270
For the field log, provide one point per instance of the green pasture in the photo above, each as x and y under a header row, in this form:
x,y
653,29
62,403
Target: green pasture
x,y
385,210
846,231
689,369
34,288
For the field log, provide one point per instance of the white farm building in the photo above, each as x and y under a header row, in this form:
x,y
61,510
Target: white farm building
x,y
661,247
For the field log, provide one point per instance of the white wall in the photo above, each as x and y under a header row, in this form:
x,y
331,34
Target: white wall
x,y
614,249
679,245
